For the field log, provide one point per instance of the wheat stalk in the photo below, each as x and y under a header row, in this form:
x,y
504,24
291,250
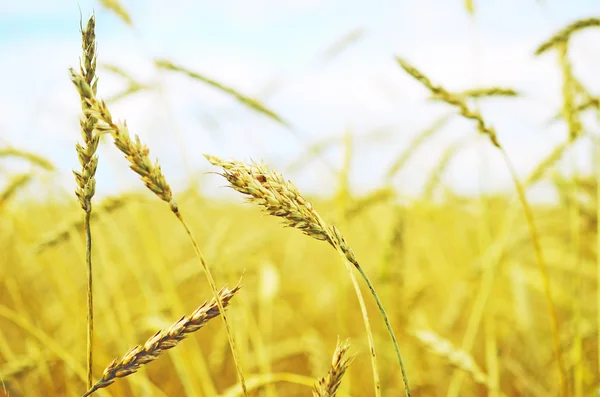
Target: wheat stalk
x,y
151,174
328,385
86,181
268,188
162,340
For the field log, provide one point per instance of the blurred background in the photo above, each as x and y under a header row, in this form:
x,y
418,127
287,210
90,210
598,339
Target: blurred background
x,y
314,90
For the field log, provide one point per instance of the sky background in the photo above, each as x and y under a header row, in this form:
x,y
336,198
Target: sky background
x,y
273,50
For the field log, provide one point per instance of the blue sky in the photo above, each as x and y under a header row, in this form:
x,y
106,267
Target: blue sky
x,y
251,45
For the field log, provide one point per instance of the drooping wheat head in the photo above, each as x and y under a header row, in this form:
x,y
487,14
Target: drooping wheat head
x,y
281,198
452,99
328,385
162,340
268,189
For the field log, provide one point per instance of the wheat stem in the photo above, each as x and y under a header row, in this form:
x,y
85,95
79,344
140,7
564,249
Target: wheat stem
x,y
535,237
213,287
90,299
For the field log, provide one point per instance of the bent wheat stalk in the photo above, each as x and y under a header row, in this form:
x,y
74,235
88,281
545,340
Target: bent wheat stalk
x,y
281,198
86,181
328,385
162,340
151,174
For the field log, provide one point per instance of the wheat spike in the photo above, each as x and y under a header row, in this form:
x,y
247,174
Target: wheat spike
x,y
565,34
328,385
452,99
281,198
135,152
86,182
162,340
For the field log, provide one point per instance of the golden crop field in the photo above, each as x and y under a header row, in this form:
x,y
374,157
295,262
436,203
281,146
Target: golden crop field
x,y
369,294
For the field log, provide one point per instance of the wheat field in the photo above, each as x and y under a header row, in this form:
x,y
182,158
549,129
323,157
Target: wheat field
x,y
374,294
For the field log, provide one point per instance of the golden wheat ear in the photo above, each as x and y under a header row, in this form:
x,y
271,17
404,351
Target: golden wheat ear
x,y
162,340
328,385
281,198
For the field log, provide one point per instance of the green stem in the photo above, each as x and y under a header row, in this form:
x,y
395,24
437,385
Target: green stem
x,y
387,324
213,286
90,297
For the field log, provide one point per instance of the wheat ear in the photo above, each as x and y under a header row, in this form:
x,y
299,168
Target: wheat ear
x,y
86,182
328,385
162,340
151,174
281,198
488,130
565,34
